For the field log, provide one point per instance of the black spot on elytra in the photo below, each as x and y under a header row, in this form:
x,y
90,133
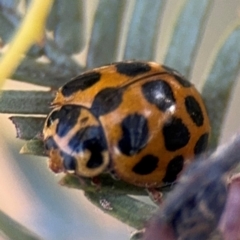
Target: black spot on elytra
x,y
201,144
159,93
80,82
87,137
52,117
132,69
50,144
176,134
106,101
174,167
134,134
95,160
91,139
68,117
146,165
178,77
194,110
69,162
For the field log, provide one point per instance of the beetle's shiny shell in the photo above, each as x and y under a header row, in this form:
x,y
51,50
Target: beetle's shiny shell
x,y
152,120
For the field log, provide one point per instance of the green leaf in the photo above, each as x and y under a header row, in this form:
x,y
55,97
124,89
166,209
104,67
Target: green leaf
x,y
64,14
35,51
15,231
9,18
59,58
52,19
25,102
103,47
144,30
107,185
6,28
43,74
33,147
221,78
28,127
187,35
126,209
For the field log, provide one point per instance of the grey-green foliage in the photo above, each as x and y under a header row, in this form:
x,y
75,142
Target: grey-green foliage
x,y
221,80
143,30
187,35
68,23
105,32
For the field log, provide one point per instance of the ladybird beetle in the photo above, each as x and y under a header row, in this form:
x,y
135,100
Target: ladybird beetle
x,y
140,120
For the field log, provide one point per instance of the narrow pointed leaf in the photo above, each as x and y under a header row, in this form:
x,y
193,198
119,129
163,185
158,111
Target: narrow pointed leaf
x,y
187,35
43,74
126,209
15,231
105,33
144,30
9,21
35,51
28,127
12,16
25,102
59,58
52,17
221,80
9,18
6,28
33,147
65,14
107,185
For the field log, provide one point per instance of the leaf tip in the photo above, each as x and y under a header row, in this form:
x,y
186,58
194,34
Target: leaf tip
x,y
18,132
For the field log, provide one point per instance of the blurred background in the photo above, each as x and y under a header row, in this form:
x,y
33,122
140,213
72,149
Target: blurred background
x,y
29,192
